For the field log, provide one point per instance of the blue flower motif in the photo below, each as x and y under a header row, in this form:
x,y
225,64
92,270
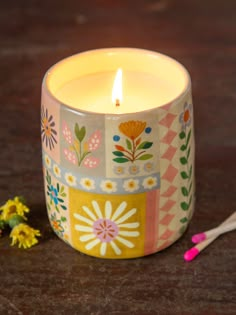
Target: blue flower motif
x,y
148,130
53,193
119,170
148,167
185,117
116,138
134,169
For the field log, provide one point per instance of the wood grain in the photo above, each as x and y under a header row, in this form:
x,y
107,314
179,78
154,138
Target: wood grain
x,y
52,278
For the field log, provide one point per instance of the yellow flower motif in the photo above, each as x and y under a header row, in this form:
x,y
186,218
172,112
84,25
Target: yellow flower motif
x,y
12,207
70,179
56,170
132,128
24,235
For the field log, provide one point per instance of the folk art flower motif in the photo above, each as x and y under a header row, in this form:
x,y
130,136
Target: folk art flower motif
x,y
148,167
79,150
56,194
132,129
185,117
56,170
134,169
59,225
70,179
149,182
48,131
87,183
48,161
131,185
135,148
119,170
107,230
185,136
108,186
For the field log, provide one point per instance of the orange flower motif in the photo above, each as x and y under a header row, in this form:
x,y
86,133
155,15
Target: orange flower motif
x,y
132,128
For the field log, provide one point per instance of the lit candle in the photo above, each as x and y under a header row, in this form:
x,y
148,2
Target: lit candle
x,y
117,94
149,81
118,151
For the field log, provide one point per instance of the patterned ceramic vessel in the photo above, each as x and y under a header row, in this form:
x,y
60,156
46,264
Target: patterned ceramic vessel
x,y
117,185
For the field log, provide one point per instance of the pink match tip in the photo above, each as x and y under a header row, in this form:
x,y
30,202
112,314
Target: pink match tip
x,y
191,254
198,238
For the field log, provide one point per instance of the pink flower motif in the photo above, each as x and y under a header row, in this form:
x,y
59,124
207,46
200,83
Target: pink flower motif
x,y
105,230
71,157
67,132
91,162
94,140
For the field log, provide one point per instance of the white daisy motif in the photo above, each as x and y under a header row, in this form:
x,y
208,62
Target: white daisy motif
x,y
108,186
47,161
107,230
131,185
149,182
87,183
56,170
70,179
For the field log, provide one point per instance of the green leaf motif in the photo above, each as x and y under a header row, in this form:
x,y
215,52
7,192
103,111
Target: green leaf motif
x,y
63,194
190,186
48,178
190,171
184,175
145,157
188,153
129,145
58,187
144,145
188,137
182,135
118,153
184,205
121,160
80,133
183,147
183,160
63,207
63,219
184,220
184,191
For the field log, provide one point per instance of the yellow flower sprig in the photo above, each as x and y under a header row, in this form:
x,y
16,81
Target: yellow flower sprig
x,y
13,214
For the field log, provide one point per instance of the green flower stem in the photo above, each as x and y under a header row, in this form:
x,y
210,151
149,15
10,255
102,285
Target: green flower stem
x,y
140,153
77,154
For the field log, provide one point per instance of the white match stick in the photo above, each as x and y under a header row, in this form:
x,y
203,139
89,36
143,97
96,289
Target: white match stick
x,y
194,251
200,237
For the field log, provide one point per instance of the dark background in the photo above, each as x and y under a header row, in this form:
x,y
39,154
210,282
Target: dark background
x,y
52,278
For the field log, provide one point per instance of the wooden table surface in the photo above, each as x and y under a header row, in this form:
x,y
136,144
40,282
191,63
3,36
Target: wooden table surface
x,y
52,278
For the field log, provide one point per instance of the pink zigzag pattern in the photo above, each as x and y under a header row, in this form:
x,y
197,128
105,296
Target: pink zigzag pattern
x,y
168,176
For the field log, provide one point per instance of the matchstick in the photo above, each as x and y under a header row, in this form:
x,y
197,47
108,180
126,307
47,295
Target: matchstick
x,y
200,237
194,251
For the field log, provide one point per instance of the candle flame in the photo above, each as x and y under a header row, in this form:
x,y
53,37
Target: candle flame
x,y
117,88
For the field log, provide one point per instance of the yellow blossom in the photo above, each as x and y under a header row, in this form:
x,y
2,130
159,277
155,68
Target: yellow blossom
x,y
12,207
24,235
132,128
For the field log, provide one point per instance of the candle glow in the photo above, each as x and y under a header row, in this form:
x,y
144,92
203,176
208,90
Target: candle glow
x,y
117,88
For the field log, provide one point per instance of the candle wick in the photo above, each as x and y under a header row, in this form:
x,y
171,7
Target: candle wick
x,y
117,102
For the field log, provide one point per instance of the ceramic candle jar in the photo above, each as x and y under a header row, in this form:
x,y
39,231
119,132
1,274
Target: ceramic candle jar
x,y
119,182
